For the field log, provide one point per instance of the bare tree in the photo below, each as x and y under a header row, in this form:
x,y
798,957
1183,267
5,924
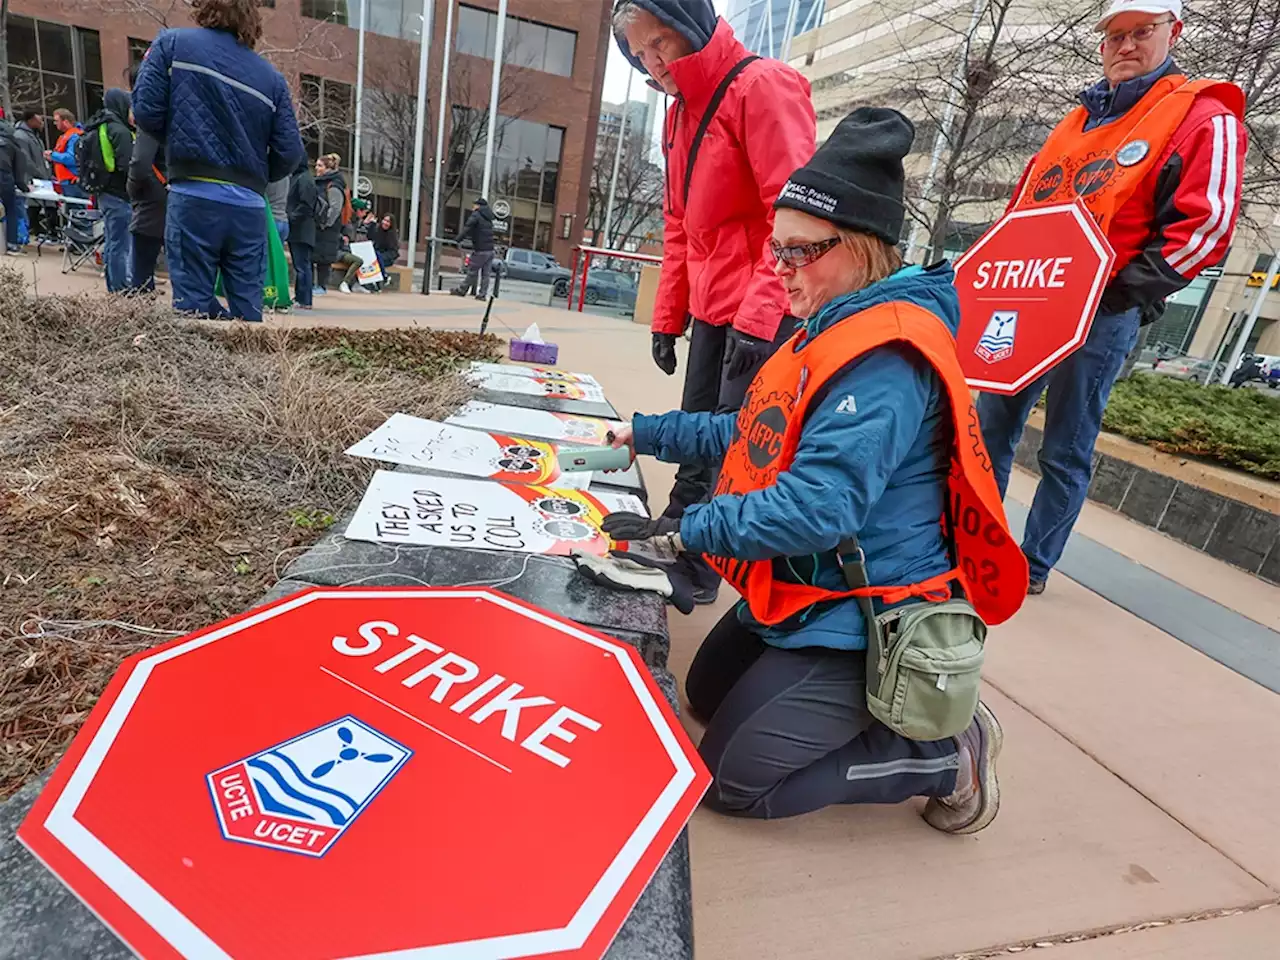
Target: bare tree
x,y
984,90
637,202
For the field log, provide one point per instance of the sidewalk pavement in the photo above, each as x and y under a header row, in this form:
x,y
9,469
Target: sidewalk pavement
x,y
1139,781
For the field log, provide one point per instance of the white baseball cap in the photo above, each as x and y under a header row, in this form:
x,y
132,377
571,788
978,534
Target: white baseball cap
x,y
1118,7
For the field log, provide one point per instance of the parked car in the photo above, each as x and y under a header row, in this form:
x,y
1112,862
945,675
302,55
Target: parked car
x,y
535,267
1189,368
612,287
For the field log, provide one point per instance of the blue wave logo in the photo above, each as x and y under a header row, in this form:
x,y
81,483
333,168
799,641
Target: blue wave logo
x,y
996,342
301,795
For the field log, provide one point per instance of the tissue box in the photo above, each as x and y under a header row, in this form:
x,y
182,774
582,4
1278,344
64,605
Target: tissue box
x,y
529,352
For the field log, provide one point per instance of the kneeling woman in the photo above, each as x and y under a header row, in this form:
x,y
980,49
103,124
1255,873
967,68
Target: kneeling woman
x,y
858,433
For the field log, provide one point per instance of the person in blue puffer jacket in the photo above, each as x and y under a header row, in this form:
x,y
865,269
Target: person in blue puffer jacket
x,y
788,729
227,121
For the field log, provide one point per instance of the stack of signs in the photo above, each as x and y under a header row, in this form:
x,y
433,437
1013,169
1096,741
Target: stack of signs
x,y
409,509
414,442
559,427
570,393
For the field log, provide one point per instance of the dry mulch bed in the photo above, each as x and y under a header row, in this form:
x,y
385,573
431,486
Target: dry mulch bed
x,y
156,474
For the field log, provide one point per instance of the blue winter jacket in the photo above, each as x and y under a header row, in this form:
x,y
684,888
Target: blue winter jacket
x,y
223,112
873,460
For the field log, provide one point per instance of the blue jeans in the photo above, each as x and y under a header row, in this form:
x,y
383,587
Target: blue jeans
x,y
118,246
282,228
1079,388
203,237
303,289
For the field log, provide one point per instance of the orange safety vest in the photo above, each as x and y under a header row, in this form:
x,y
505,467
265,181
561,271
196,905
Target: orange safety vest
x,y
1106,165
61,172
990,566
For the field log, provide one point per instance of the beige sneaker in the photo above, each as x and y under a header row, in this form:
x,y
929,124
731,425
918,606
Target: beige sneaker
x,y
976,800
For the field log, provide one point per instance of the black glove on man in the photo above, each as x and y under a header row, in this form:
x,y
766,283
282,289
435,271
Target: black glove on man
x,y
633,526
744,354
664,352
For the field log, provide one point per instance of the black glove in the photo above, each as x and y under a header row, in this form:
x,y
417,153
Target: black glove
x,y
664,352
633,526
744,354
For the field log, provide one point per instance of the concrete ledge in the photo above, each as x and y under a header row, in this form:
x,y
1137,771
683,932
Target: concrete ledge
x,y
1234,518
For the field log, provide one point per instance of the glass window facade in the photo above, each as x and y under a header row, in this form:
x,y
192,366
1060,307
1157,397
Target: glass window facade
x,y
326,113
526,172
528,44
392,18
54,65
761,25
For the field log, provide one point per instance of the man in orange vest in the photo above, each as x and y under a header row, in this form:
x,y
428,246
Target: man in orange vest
x,y
63,154
1158,160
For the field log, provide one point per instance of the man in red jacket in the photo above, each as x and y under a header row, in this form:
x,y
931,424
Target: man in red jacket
x,y
1158,160
757,127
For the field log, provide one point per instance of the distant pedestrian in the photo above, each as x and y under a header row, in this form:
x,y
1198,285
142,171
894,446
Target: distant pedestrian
x,y
103,154
28,134
479,231
278,200
386,242
1249,369
333,213
149,195
302,232
12,179
226,118
66,171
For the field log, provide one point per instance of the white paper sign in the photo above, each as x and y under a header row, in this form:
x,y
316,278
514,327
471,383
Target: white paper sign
x,y
536,386
406,508
416,442
371,272
545,425
536,373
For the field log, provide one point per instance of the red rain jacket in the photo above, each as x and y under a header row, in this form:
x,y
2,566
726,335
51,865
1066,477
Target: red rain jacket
x,y
715,264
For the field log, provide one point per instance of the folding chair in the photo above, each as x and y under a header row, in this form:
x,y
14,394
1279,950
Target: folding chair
x,y
83,237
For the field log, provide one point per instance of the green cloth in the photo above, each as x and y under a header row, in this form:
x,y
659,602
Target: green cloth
x,y
275,291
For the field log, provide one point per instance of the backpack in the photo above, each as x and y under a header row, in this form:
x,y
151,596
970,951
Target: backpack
x,y
95,157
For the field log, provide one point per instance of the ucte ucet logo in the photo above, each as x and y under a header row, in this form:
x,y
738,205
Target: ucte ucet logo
x,y
303,794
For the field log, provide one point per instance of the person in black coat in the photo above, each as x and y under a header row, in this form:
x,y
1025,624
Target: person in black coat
x,y
302,232
149,198
479,230
331,201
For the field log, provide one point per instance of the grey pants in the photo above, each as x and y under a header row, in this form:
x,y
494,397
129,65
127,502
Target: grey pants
x,y
477,278
788,731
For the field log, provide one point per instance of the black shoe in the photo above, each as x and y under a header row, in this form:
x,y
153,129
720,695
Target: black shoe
x,y
478,297
457,293
1035,588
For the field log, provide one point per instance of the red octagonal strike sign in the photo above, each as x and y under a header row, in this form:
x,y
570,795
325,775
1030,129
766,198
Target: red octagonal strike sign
x,y
408,773
1028,292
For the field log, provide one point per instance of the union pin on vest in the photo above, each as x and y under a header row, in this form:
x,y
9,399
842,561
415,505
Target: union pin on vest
x,y
996,342
1133,152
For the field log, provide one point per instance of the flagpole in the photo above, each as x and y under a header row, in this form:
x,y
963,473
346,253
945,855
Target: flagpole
x,y
419,129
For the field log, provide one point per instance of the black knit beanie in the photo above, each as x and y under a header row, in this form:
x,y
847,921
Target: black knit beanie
x,y
855,178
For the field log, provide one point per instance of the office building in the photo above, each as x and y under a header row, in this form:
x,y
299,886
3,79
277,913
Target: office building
x,y
762,24
554,51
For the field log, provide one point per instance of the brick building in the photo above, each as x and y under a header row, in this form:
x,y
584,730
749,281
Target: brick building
x,y
63,53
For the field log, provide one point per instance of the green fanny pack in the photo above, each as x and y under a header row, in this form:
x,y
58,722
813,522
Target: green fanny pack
x,y
924,660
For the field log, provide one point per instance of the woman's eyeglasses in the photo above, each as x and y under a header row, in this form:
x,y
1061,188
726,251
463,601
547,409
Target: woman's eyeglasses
x,y
802,254
1139,34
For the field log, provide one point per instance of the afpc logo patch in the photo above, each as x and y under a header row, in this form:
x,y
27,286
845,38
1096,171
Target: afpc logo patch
x,y
303,794
996,342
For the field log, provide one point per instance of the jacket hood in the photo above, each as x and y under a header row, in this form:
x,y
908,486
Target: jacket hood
x,y
698,74
333,175
695,19
486,212
932,288
116,102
